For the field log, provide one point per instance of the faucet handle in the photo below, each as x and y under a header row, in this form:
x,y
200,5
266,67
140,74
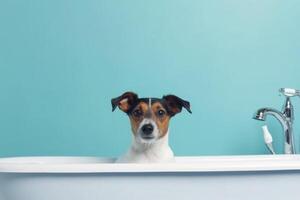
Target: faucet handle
x,y
289,92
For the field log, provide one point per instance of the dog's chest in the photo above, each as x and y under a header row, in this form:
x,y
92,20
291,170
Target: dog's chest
x,y
150,155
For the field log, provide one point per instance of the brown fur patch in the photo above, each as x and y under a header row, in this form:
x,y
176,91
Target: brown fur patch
x,y
134,120
161,121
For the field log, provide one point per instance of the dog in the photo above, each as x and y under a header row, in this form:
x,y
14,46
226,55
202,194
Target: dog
x,y
149,119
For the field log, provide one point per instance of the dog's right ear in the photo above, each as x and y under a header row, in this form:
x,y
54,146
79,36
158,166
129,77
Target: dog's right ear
x,y
124,102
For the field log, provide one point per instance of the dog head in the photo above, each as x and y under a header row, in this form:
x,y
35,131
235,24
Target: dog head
x,y
149,117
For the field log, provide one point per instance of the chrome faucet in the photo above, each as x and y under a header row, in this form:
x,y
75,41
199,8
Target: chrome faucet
x,y
286,118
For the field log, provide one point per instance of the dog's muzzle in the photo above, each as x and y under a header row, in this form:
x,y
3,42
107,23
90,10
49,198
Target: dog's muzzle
x,y
147,131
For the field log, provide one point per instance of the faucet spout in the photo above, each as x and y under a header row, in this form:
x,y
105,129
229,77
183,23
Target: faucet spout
x,y
285,122
262,113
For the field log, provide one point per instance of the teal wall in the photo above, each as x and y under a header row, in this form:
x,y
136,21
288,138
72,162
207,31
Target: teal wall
x,y
62,61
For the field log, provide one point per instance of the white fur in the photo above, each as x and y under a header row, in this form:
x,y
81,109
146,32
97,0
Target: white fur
x,y
158,151
148,151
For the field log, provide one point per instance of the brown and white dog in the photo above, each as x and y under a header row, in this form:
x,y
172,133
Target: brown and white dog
x,y
149,119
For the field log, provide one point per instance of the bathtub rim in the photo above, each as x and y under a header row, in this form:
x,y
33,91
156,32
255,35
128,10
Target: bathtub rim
x,y
84,164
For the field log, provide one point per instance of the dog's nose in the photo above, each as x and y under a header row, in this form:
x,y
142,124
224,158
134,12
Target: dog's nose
x,y
147,129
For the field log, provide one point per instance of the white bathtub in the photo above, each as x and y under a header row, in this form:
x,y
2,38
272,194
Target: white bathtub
x,y
91,178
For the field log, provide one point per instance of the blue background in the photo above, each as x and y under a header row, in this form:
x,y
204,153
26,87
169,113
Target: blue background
x,y
62,61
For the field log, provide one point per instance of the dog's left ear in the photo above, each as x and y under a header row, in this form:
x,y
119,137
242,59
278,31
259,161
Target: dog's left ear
x,y
124,102
174,104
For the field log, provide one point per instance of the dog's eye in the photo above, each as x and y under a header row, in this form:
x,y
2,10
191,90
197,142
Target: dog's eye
x,y
137,113
161,113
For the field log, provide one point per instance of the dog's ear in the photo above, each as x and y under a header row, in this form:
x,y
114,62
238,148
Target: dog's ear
x,y
124,102
174,104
